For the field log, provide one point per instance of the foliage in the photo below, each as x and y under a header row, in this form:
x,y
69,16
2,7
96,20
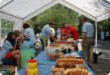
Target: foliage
x,y
103,25
6,27
58,14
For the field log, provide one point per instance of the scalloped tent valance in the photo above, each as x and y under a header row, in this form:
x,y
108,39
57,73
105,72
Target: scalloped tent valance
x,y
25,9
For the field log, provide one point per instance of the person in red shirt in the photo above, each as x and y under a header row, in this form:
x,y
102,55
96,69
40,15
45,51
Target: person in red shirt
x,y
73,34
64,31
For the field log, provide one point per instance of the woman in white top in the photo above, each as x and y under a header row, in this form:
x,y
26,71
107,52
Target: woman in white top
x,y
53,34
58,33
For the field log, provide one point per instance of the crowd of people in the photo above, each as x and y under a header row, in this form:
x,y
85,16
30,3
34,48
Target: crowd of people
x,y
69,31
11,45
63,33
13,42
105,35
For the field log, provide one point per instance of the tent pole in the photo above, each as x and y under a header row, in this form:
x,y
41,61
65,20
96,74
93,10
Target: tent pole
x,y
0,31
96,35
22,28
6,4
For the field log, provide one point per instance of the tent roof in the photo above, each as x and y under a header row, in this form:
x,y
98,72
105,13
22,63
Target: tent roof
x,y
26,9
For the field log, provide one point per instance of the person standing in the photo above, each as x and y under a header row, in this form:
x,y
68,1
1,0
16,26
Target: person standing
x,y
102,35
29,33
87,41
58,33
46,33
107,35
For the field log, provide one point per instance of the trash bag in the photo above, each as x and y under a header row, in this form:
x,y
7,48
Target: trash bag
x,y
26,54
27,44
38,45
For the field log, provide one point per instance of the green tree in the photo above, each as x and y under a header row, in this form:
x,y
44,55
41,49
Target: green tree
x,y
58,14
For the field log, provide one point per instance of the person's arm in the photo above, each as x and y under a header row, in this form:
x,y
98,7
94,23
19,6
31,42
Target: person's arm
x,y
49,31
50,34
26,34
21,40
84,33
83,37
14,45
8,45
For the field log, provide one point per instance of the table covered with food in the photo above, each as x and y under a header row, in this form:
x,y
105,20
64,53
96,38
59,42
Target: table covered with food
x,y
61,59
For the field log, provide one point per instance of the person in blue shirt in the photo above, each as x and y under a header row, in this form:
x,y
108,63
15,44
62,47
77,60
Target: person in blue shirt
x,y
102,35
46,33
87,41
9,51
29,33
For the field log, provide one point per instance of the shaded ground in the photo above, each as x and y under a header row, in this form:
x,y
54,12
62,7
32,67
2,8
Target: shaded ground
x,y
103,65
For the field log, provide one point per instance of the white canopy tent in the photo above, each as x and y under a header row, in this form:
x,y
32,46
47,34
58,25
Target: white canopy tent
x,y
22,10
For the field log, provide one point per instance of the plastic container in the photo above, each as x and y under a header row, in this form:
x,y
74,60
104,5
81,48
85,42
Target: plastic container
x,y
32,64
50,50
32,67
51,53
26,54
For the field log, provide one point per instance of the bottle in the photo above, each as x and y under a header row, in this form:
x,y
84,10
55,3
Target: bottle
x,y
16,71
32,67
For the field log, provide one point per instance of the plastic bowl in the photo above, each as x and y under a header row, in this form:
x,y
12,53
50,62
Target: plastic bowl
x,y
51,53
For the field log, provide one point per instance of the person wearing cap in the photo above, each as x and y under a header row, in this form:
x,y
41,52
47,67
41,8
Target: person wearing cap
x,y
46,33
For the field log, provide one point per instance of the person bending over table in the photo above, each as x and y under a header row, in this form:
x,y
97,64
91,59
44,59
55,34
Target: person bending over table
x,y
64,31
46,33
72,33
9,51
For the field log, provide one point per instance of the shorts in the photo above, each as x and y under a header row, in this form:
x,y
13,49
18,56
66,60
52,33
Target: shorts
x,y
9,55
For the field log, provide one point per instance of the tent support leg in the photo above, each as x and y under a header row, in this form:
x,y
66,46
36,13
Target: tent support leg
x,y
22,30
0,31
96,35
